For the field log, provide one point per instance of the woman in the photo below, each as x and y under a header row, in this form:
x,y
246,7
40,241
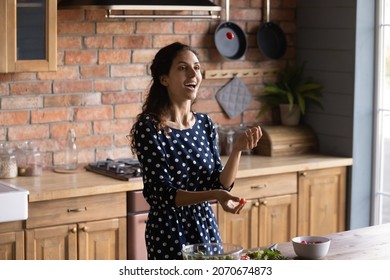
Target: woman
x,y
181,166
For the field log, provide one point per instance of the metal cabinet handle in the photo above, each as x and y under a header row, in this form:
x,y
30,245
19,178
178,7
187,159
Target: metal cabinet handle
x,y
75,210
259,186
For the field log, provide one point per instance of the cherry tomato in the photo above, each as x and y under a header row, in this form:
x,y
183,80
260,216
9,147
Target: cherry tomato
x,y
245,257
242,201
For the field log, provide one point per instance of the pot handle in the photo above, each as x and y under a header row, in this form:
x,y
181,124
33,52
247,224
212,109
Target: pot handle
x,y
268,9
227,10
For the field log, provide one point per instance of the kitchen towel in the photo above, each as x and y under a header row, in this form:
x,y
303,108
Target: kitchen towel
x,y
234,97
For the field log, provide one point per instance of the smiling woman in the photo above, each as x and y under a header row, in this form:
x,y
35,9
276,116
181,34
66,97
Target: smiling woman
x,y
178,153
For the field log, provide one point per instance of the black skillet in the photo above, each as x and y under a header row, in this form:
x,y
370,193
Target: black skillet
x,y
230,39
271,39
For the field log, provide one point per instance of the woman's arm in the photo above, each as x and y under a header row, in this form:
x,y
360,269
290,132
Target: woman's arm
x,y
245,141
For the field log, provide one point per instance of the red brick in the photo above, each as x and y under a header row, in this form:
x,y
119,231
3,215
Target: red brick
x,y
127,110
93,113
72,86
3,88
13,118
94,71
74,28
110,127
62,73
108,85
68,42
63,100
121,97
191,27
133,42
128,70
166,39
51,115
21,102
81,57
138,83
94,141
60,130
96,42
29,132
114,27
70,15
114,56
154,27
24,88
144,56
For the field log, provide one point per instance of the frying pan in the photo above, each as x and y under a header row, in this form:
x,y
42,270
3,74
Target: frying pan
x,y
271,39
229,38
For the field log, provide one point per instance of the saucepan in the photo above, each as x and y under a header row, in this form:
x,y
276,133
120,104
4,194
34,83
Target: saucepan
x,y
271,39
229,38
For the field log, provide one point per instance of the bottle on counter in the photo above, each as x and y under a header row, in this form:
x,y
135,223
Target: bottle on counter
x,y
71,155
8,164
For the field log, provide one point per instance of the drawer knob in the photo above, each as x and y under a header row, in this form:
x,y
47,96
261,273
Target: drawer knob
x,y
73,230
256,204
85,229
75,210
256,187
264,202
303,174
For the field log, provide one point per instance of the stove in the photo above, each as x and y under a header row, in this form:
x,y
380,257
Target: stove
x,y
126,169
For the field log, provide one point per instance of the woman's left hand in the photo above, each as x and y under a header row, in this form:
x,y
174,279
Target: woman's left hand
x,y
249,139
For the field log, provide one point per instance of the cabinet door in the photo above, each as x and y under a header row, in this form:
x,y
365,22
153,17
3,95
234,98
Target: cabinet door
x,y
240,228
12,245
52,243
28,35
103,240
321,199
277,220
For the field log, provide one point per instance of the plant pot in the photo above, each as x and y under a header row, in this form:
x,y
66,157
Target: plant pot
x,y
289,117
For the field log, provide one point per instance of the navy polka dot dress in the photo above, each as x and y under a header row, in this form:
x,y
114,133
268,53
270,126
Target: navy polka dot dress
x,y
174,159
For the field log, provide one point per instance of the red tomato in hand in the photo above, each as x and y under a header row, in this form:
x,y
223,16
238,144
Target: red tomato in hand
x,y
242,201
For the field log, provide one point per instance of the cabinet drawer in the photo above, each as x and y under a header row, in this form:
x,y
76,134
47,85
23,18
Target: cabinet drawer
x,y
78,209
262,186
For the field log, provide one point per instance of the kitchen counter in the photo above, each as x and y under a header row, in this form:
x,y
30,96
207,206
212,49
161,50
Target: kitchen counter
x,y
368,243
51,185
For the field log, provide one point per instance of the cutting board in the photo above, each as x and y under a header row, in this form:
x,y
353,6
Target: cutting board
x,y
286,140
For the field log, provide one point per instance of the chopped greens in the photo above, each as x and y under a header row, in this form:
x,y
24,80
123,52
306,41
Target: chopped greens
x,y
265,254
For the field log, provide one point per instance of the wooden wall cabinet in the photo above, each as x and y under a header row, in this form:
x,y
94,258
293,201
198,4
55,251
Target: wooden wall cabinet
x,y
28,36
81,228
12,241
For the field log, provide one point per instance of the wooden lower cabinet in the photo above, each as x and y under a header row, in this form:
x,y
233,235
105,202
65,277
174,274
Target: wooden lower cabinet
x,y
97,240
80,228
261,222
322,201
12,241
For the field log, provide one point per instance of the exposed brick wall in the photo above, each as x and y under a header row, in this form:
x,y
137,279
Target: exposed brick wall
x,y
102,77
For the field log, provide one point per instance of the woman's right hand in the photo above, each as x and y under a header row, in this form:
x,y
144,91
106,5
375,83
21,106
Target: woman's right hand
x,y
230,203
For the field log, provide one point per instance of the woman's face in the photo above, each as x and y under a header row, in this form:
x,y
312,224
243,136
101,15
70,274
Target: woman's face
x,y
184,78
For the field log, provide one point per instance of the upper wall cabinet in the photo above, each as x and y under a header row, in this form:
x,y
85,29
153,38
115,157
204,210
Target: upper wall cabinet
x,y
28,36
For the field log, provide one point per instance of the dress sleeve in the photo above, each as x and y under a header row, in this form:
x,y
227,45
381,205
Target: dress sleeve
x,y
158,189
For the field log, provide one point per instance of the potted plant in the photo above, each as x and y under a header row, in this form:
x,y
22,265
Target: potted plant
x,y
291,92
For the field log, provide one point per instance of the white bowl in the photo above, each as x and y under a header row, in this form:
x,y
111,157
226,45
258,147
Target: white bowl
x,y
311,247
212,251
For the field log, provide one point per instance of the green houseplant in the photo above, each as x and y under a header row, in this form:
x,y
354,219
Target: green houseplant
x,y
293,89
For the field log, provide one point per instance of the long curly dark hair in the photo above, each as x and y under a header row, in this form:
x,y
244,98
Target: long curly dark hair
x,y
157,103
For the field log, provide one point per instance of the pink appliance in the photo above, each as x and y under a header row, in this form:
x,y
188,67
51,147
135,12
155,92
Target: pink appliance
x,y
137,214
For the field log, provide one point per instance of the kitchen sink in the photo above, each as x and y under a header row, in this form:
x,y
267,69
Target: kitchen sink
x,y
13,203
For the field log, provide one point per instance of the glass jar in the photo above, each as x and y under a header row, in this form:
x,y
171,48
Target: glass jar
x,y
8,165
29,160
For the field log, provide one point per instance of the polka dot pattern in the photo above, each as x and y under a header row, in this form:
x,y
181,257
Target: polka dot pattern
x,y
173,159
